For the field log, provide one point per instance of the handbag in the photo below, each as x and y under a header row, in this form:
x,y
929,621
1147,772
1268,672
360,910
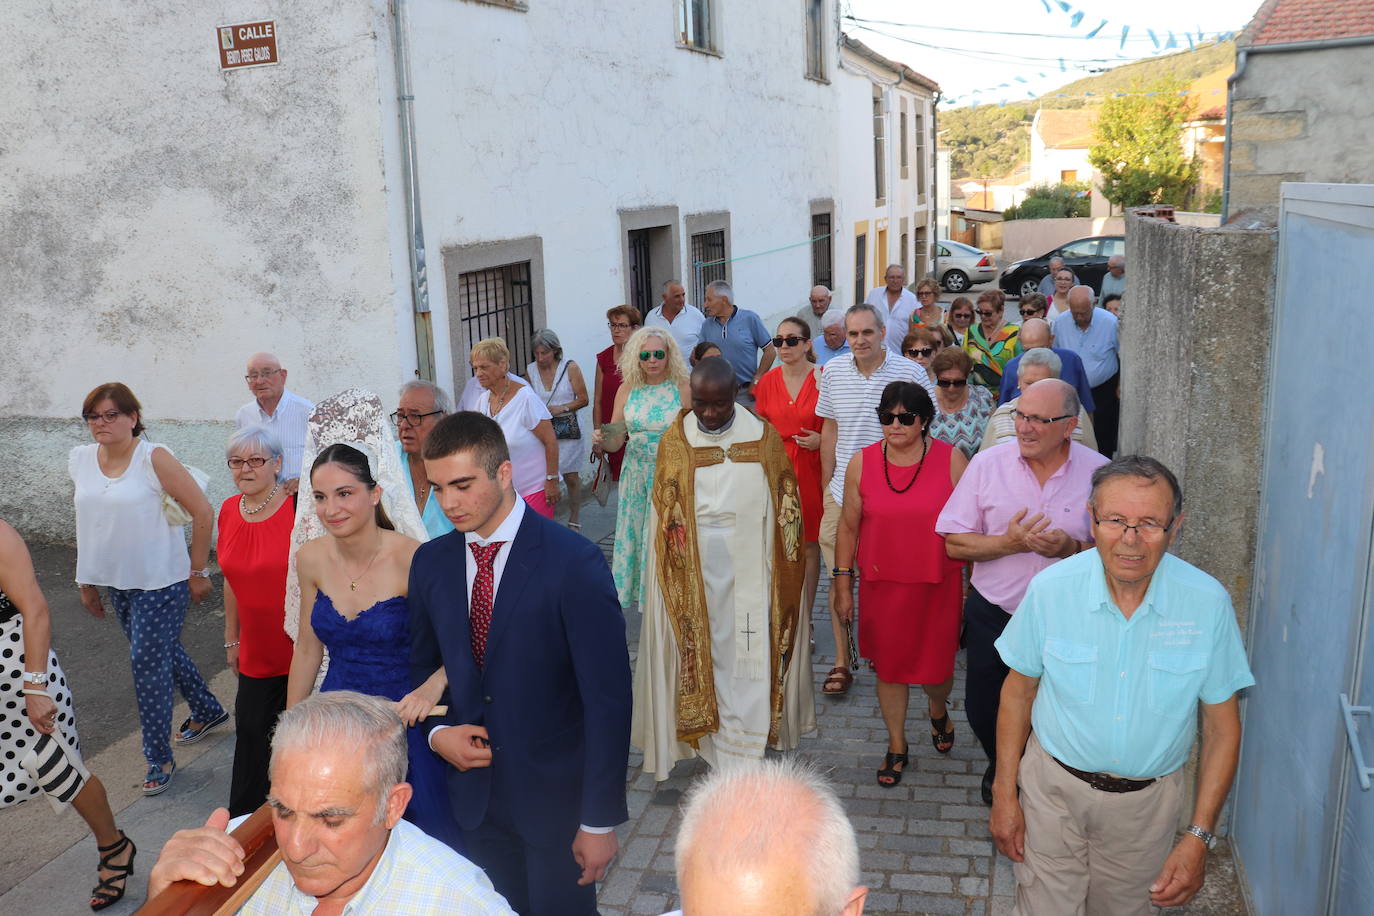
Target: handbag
x,y
601,479
174,512
564,425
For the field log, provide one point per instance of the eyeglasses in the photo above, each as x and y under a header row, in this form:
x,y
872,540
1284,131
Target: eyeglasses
x,y
414,418
925,293
986,313
951,382
646,355
919,351
906,418
108,416
1147,530
1029,313
264,374
1038,421
254,462
791,340
618,326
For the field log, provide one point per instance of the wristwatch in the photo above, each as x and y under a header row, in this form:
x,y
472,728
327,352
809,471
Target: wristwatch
x,y
200,574
1207,838
548,477
36,678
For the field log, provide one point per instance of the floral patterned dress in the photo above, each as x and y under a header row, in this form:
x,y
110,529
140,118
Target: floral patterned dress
x,y
964,428
648,412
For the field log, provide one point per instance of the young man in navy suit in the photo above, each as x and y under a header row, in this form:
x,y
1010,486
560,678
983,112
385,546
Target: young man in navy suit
x,y
533,642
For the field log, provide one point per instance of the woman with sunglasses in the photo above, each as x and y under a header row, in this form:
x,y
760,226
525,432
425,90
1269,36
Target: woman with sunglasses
x,y
909,587
921,344
930,314
254,545
1033,306
960,319
961,410
991,342
656,387
623,320
786,397
126,545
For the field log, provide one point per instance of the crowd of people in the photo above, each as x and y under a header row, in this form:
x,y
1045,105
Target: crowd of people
x,y
958,466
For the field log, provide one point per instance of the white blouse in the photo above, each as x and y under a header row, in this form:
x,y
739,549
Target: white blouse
x,y
517,419
122,538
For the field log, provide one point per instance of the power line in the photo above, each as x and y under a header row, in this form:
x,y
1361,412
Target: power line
x,y
946,28
1001,57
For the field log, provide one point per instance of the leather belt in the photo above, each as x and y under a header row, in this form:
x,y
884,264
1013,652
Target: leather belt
x,y
1105,783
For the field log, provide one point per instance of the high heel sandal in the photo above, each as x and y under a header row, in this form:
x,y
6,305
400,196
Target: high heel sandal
x,y
944,740
890,771
105,893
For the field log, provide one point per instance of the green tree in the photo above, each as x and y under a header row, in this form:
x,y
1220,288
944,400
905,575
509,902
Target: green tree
x,y
1138,148
1046,201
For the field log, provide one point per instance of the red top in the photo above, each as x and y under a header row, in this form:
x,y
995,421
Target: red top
x,y
252,556
897,539
610,385
789,418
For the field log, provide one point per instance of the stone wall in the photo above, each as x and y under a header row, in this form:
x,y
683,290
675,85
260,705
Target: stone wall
x,y
1195,365
1299,116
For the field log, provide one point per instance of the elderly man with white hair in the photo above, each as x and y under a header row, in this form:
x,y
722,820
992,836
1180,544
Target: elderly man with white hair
x,y
282,411
422,404
338,793
1034,365
895,303
818,303
830,342
741,335
1114,280
1092,333
770,839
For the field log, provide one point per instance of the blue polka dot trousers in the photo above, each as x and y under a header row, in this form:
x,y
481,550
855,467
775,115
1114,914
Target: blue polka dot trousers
x,y
152,620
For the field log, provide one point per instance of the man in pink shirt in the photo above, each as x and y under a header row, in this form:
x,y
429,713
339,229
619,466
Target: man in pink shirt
x,y
1019,507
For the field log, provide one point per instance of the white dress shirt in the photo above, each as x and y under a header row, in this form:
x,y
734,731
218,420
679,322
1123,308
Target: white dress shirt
x,y
288,421
685,328
505,532
897,320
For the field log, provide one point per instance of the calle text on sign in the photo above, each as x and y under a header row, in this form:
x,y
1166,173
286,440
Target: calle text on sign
x,y
250,44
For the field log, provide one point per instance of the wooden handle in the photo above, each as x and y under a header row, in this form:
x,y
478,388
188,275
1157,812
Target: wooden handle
x,y
187,898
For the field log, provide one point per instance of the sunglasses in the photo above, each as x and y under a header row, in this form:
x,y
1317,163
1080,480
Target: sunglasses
x,y
646,355
951,382
919,351
790,340
906,418
982,313
1029,313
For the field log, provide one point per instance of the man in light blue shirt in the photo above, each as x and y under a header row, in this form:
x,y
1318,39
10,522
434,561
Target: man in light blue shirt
x,y
422,404
831,341
1092,334
1110,653
1114,280
740,334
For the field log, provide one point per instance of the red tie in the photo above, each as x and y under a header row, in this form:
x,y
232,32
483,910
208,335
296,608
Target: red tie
x,y
483,588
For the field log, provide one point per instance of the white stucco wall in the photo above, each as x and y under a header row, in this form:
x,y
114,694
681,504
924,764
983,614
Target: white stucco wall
x,y
855,133
517,141
160,220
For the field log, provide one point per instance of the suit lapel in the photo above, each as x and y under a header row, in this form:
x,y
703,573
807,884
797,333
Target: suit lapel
x,y
454,587
515,578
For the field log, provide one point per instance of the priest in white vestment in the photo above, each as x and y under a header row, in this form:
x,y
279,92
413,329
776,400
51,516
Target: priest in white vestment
x,y
723,668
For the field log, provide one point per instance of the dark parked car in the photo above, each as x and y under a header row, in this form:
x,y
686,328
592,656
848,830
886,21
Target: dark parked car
x,y
1086,257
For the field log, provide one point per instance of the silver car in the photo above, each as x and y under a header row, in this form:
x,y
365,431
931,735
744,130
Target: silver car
x,y
962,265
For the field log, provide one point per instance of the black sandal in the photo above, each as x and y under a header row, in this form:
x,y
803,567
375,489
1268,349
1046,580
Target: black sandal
x,y
105,893
943,741
890,771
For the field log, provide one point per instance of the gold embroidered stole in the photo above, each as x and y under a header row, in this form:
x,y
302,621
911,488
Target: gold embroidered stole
x,y
679,565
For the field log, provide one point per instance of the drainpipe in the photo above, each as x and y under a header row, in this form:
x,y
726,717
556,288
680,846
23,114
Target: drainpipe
x,y
933,239
410,181
1242,57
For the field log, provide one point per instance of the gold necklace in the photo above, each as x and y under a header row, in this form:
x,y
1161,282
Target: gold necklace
x,y
352,582
495,409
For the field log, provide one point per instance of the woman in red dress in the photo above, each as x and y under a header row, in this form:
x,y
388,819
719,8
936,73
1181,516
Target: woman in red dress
x,y
623,320
909,587
786,397
254,543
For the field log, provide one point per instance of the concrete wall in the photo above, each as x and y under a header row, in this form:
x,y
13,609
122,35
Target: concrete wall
x,y
1299,116
1195,360
1030,238
162,220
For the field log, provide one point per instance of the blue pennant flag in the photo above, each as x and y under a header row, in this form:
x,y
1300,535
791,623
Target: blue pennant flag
x,y
1093,33
1020,79
1047,6
1125,30
1061,65
1171,43
1191,46
1063,5
1153,37
1075,19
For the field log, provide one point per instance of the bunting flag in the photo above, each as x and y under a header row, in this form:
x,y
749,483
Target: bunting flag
x,y
1153,37
1093,33
1125,30
1075,19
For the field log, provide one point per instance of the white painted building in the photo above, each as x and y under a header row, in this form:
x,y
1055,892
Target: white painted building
x,y
1060,140
163,218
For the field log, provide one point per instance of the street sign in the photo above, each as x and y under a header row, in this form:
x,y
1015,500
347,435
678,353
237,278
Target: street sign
x,y
251,44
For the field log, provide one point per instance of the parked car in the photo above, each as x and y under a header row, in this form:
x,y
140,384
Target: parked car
x,y
962,265
1086,257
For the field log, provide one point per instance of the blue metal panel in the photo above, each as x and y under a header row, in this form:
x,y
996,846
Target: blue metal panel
x,y
1313,555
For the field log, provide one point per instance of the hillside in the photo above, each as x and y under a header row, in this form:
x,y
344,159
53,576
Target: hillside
x,y
989,140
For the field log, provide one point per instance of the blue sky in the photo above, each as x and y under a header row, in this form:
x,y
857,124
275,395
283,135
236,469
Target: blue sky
x,y
1049,51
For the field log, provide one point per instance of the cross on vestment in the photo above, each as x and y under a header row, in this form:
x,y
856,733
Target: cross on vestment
x,y
748,631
